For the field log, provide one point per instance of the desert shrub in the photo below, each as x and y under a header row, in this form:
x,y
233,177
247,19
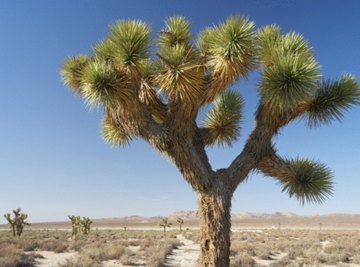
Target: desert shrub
x,y
146,243
333,259
263,252
242,246
193,236
127,259
356,259
157,254
104,253
293,253
79,262
242,260
286,262
10,256
54,245
132,242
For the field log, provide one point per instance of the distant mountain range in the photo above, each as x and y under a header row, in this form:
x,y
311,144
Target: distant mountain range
x,y
252,218
245,219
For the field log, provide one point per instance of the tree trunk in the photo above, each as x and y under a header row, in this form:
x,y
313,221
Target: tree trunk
x,y
215,224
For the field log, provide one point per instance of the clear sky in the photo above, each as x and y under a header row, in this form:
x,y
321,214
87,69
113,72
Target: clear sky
x,y
53,161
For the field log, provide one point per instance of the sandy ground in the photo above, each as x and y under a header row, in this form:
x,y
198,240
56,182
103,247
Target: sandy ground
x,y
52,259
185,255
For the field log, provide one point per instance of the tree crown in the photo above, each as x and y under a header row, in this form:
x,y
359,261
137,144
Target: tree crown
x,y
153,88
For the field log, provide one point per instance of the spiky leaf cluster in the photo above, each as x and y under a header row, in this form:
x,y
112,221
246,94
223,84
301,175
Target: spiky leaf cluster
x,y
312,181
114,134
332,99
147,92
230,48
130,40
288,82
268,39
180,75
71,71
176,32
290,71
224,118
101,83
106,50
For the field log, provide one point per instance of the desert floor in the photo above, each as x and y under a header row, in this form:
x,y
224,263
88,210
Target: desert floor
x,y
149,247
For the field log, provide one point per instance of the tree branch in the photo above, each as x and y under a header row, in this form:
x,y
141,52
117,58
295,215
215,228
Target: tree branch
x,y
274,166
258,145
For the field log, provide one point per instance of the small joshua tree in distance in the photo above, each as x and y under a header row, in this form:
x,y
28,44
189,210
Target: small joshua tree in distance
x,y
10,222
180,221
18,222
74,225
85,225
80,226
165,223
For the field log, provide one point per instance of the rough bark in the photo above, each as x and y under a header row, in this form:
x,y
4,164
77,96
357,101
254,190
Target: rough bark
x,y
214,214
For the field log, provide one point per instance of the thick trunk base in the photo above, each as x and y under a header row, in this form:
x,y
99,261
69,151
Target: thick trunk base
x,y
215,224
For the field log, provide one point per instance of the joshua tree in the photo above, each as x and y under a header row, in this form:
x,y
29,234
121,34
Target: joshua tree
x,y
18,222
157,97
165,223
80,225
85,224
75,225
180,222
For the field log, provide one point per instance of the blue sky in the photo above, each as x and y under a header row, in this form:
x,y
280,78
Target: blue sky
x,y
53,161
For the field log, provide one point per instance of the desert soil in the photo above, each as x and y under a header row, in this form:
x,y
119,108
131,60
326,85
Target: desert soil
x,y
185,255
52,259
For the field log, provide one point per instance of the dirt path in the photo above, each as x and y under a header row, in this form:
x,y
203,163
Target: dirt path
x,y
52,259
185,255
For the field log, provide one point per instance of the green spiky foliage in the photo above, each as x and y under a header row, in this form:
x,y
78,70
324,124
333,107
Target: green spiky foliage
x,y
176,32
131,40
101,83
164,223
114,134
224,118
290,72
71,71
331,99
154,89
18,222
180,75
180,221
311,181
230,49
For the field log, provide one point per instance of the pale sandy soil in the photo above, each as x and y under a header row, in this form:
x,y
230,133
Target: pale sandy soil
x,y
274,258
185,255
52,259
117,263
